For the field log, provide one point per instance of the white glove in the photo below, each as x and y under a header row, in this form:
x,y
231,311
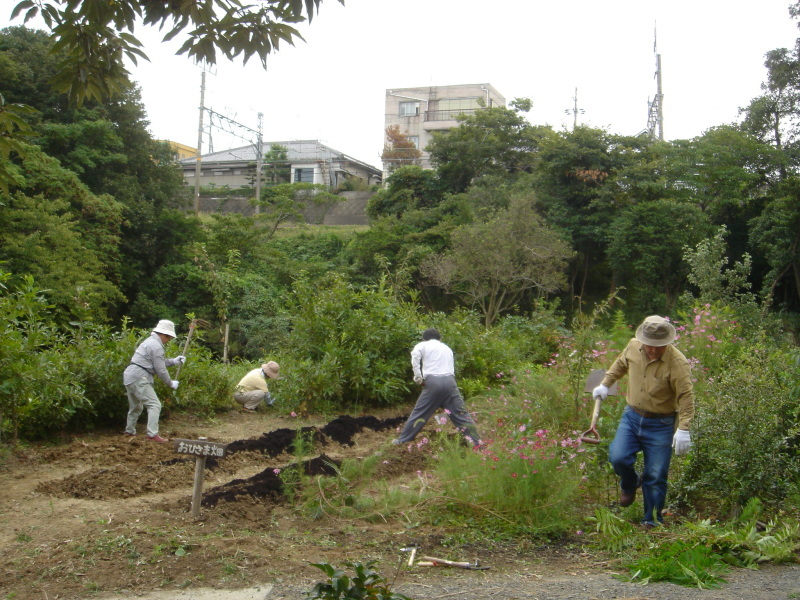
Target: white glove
x,y
179,360
682,441
174,385
418,379
269,399
601,391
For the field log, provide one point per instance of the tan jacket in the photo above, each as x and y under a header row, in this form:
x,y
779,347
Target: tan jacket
x,y
254,380
660,386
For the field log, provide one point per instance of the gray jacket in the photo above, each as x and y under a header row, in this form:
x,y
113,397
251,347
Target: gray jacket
x,y
148,360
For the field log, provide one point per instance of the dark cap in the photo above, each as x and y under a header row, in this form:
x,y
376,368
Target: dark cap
x,y
430,334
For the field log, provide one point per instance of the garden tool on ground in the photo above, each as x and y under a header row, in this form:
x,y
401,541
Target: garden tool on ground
x,y
430,561
591,436
412,555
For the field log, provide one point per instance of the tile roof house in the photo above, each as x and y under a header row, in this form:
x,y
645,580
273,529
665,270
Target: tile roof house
x,y
307,161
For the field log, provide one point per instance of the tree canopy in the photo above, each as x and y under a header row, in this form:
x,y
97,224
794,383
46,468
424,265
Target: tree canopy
x,y
94,36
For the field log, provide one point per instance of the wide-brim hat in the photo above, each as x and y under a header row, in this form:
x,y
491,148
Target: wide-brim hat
x,y
655,331
271,369
165,327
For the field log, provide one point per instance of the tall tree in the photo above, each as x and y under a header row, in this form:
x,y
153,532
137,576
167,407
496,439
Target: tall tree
x,y
407,188
645,247
776,234
67,238
774,117
491,265
491,141
575,172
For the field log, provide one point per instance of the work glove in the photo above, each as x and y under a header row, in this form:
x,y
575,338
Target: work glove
x,y
269,399
418,379
179,360
601,391
174,385
682,441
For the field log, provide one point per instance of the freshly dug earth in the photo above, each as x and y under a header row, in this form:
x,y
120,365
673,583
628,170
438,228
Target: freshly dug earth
x,y
103,515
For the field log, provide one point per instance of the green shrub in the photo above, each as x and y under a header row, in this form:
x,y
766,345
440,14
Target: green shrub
x,y
745,433
348,346
37,393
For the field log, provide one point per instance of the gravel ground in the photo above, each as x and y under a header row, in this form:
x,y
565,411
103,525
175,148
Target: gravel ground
x,y
771,582
768,583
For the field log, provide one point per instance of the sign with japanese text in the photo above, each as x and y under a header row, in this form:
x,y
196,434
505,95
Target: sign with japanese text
x,y
200,448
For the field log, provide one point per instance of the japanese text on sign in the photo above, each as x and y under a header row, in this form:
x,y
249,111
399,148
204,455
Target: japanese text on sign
x,y
200,448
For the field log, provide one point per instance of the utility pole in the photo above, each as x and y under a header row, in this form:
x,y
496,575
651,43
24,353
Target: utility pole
x,y
259,160
574,110
197,170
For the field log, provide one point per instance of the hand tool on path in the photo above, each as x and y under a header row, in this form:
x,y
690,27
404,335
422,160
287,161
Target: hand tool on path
x,y
430,561
591,436
412,555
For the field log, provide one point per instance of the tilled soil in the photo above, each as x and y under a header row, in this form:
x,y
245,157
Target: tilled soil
x,y
103,515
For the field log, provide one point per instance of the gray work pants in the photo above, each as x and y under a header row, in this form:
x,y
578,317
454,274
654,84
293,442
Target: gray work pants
x,y
141,395
440,392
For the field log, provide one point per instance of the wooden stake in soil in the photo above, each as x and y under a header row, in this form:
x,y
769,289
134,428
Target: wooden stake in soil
x,y
200,449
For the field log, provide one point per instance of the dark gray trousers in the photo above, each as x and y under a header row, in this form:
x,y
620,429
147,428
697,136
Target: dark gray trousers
x,y
440,392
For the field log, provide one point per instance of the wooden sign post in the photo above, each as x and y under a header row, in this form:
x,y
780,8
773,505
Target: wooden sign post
x,y
200,449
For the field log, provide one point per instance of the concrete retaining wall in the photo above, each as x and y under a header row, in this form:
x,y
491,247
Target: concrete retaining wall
x,y
351,211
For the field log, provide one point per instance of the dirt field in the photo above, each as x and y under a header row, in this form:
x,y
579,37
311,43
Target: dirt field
x,y
106,516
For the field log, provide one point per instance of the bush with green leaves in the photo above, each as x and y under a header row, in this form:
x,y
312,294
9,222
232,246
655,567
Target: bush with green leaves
x,y
348,346
745,432
70,377
365,584
37,391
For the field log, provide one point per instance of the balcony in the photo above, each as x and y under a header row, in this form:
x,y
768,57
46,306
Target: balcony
x,y
448,115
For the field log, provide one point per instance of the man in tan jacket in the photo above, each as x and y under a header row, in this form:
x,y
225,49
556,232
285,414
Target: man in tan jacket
x,y
660,396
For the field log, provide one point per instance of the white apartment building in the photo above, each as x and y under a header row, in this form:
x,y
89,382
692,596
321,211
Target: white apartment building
x,y
419,111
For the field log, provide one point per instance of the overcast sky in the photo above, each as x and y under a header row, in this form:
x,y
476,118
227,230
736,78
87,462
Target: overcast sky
x,y
332,87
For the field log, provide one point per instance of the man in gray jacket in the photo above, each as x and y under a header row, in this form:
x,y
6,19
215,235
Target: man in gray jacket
x,y
148,360
434,369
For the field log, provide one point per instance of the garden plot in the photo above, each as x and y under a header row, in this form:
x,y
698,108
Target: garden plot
x,y
102,515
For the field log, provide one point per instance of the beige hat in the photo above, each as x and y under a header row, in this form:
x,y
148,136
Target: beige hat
x,y
271,369
165,327
655,331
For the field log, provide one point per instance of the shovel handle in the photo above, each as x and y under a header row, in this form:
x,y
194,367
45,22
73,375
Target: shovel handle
x,y
192,325
591,436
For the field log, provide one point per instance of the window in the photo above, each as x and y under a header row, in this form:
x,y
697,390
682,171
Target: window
x,y
415,140
409,109
458,103
304,175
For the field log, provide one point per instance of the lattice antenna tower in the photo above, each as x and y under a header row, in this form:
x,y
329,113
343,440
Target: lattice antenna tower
x,y
575,111
655,113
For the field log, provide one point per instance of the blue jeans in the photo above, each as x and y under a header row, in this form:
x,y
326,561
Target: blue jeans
x,y
653,438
